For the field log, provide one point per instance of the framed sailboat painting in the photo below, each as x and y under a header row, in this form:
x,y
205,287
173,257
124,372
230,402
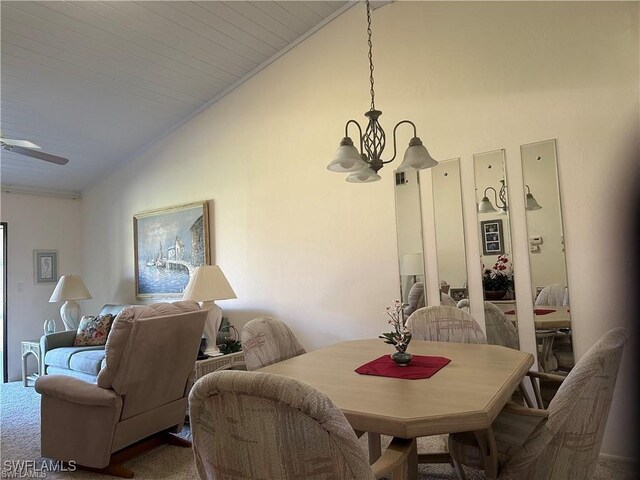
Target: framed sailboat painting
x,y
169,244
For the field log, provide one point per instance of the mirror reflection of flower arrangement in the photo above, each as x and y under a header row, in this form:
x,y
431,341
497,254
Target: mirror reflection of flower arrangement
x,y
499,277
400,336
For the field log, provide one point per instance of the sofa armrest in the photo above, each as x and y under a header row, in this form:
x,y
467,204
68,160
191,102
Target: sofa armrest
x,y
77,391
57,340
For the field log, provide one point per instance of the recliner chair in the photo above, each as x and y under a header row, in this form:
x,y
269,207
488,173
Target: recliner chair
x,y
142,389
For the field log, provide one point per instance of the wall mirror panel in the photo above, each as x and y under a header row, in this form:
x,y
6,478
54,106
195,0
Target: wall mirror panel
x,y
495,248
410,246
449,232
545,232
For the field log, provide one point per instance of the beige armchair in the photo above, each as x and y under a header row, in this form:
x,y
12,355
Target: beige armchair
x,y
561,442
282,429
141,390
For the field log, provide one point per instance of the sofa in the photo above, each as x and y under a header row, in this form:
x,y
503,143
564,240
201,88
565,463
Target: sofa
x,y
60,357
142,390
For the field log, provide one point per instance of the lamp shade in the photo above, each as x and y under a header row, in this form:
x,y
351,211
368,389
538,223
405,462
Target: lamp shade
x,y
532,203
417,157
70,287
411,264
485,206
347,158
366,175
208,283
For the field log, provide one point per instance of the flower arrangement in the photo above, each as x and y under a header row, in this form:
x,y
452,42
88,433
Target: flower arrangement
x,y
400,337
499,277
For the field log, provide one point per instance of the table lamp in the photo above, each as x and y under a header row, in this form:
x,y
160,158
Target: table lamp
x,y
69,289
411,265
207,284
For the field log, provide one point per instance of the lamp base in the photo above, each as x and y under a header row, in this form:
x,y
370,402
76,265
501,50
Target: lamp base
x,y
211,327
70,313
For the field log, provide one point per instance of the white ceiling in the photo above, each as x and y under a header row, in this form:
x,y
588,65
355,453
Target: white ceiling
x,y
98,82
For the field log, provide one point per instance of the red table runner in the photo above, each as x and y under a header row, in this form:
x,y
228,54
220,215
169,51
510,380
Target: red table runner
x,y
421,366
537,311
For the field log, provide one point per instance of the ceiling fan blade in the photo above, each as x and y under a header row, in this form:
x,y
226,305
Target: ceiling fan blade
x,y
19,143
47,157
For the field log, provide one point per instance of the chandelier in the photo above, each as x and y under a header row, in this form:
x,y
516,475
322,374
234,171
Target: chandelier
x,y
364,165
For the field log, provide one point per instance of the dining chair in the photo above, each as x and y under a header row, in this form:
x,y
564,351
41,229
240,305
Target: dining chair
x,y
444,324
267,340
561,442
554,294
500,330
446,299
255,425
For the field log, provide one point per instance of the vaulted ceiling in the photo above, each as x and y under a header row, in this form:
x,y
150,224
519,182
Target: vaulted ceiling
x,y
98,82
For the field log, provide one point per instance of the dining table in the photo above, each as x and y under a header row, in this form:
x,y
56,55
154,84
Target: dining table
x,y
466,395
547,317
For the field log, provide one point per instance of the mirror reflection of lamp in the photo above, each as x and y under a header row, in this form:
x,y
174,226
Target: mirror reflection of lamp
x,y
69,289
207,284
500,199
411,265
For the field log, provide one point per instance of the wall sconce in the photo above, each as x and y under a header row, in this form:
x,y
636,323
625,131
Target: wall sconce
x,y
500,199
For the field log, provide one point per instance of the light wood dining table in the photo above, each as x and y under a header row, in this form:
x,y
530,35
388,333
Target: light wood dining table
x,y
466,395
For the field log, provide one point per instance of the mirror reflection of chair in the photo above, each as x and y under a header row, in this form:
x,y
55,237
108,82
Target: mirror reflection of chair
x,y
267,340
563,441
444,324
500,330
555,294
282,428
447,300
416,299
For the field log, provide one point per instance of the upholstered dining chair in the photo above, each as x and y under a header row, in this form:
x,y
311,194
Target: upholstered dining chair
x,y
267,340
415,299
255,425
444,324
554,294
446,299
563,441
500,330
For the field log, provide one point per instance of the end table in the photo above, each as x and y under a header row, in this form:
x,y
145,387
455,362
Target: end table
x,y
211,364
30,347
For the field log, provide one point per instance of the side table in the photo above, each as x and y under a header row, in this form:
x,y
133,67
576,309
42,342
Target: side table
x,y
211,364
30,347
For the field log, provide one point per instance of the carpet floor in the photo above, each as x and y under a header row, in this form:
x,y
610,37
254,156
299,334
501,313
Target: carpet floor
x,y
20,441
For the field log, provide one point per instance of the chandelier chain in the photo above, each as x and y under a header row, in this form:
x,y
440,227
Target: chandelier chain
x,y
373,93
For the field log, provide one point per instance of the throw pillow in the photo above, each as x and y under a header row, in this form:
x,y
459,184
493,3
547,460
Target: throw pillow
x,y
93,330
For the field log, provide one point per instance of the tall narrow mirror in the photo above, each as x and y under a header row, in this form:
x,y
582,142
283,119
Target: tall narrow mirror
x,y
410,250
449,231
495,248
549,288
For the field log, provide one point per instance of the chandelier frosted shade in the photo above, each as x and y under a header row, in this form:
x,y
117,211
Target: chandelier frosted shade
x,y
417,157
532,203
485,206
347,158
366,175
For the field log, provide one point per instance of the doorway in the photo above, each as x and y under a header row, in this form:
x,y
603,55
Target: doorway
x,y
3,293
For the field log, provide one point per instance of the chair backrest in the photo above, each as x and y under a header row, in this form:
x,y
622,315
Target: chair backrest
x,y
444,324
554,294
415,299
446,299
150,354
260,425
500,330
267,340
567,444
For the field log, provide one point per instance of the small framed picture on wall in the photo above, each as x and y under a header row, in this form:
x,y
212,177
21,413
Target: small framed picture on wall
x,y
492,237
45,266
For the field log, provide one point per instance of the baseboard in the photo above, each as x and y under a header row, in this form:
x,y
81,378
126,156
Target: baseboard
x,y
616,458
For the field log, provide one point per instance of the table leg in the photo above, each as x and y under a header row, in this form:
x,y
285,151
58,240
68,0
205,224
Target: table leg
x,y
375,446
24,370
412,462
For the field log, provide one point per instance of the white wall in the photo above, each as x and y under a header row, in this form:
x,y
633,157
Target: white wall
x,y
36,223
298,242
